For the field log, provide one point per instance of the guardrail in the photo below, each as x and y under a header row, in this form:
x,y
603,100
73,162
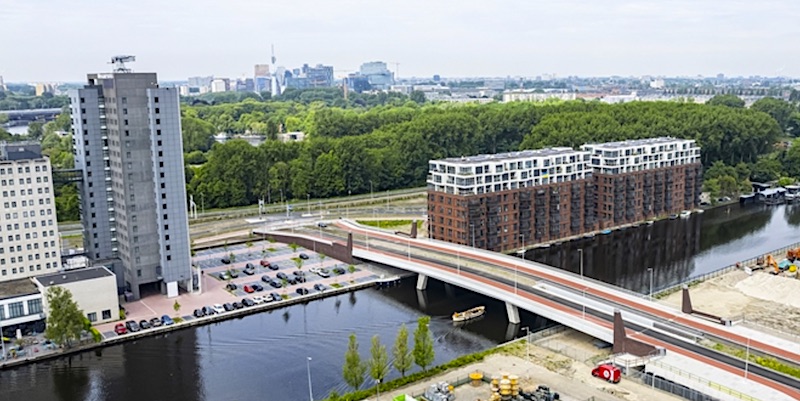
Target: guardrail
x,y
713,385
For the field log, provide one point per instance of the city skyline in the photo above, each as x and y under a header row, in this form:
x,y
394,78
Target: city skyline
x,y
455,39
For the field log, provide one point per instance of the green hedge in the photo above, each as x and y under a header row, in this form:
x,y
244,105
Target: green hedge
x,y
96,335
767,362
388,223
402,381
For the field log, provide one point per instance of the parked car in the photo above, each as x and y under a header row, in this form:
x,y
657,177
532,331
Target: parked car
x,y
299,273
266,278
237,305
144,324
248,289
273,266
275,284
132,326
228,307
218,308
258,299
302,291
233,273
320,287
224,276
300,279
249,266
275,296
303,256
282,276
199,313
264,263
338,270
322,224
608,372
156,322
258,287
120,329
231,286
226,260
248,302
292,280
324,273
167,320
249,271
209,310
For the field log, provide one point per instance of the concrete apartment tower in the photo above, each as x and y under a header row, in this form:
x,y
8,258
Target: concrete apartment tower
x,y
127,134
29,243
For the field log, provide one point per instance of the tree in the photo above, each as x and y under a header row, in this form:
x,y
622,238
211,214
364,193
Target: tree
x,y
379,360
732,101
35,131
294,247
417,97
766,169
298,263
176,306
354,369
351,269
64,318
423,343
778,109
401,353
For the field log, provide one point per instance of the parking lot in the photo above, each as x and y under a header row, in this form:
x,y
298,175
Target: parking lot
x,y
218,280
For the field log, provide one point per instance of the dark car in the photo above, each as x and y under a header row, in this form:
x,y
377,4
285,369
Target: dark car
x,y
274,266
231,286
156,322
322,224
167,320
265,263
282,276
302,291
208,311
324,273
275,284
320,287
249,266
338,270
266,278
303,256
248,302
300,279
237,305
144,324
132,326
228,307
199,313
257,287
299,273
226,260
275,296
292,280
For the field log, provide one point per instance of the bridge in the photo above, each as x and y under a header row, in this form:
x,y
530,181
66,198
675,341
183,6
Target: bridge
x,y
30,115
586,305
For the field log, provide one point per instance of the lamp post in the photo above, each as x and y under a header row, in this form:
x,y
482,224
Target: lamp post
x,y
527,343
580,253
747,358
308,368
650,270
515,265
347,205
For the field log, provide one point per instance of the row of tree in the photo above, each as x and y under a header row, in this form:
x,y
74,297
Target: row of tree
x,y
378,365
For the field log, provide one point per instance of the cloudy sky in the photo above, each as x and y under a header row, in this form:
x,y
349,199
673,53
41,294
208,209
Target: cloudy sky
x,y
62,40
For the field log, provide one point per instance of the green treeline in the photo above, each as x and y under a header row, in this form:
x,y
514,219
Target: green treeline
x,y
388,147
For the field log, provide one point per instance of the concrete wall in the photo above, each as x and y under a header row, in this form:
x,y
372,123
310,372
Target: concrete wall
x,y
92,296
336,250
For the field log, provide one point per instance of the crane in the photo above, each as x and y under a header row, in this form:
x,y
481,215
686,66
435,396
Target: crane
x,y
119,63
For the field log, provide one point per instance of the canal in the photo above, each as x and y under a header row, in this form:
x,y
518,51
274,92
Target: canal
x,y
263,356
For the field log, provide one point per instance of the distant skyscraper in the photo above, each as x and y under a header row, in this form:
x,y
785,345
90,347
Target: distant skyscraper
x,y
2,85
377,74
28,226
261,78
127,135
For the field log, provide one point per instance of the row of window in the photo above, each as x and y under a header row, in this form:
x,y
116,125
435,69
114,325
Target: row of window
x,y
17,309
22,170
30,247
26,214
22,192
93,316
15,226
12,238
21,270
23,181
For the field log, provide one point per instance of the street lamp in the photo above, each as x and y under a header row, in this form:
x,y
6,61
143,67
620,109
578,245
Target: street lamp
x,y
515,265
308,368
650,270
527,343
747,358
347,205
580,253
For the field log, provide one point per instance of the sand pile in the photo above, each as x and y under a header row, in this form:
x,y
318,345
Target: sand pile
x,y
778,289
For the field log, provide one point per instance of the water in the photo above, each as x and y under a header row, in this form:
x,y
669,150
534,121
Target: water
x,y
263,356
679,249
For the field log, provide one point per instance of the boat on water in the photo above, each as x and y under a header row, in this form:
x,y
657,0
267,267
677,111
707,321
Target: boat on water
x,y
605,232
673,216
685,214
650,222
699,211
469,314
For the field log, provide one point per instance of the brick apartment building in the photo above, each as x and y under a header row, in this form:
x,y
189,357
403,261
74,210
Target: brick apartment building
x,y
506,201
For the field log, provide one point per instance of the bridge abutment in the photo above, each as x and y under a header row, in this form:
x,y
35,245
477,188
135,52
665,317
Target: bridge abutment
x,y
513,313
422,282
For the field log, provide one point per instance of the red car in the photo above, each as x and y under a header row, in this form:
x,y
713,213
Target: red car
x,y
264,263
249,289
607,372
120,329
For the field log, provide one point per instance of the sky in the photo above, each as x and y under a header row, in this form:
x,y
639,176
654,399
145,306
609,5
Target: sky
x,y
63,40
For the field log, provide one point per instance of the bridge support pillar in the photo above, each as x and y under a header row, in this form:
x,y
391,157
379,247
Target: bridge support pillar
x,y
513,313
686,300
422,282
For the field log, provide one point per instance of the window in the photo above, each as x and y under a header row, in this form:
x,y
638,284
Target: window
x,y
92,317
106,314
156,101
158,121
139,273
15,309
34,306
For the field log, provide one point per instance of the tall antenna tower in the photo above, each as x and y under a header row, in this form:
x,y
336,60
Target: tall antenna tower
x,y
273,55
119,63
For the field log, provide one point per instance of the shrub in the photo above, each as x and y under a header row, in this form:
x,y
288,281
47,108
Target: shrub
x,y
96,335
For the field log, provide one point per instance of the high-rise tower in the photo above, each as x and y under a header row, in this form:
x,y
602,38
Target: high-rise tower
x,y
127,134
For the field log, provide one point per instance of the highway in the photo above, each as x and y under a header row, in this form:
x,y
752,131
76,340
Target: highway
x,y
670,341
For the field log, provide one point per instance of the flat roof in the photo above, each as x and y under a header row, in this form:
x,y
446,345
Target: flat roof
x,y
508,156
637,142
17,288
73,276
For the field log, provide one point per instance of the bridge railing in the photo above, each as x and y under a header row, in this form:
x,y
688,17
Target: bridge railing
x,y
679,389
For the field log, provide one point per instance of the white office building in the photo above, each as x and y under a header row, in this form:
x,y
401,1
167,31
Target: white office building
x,y
642,154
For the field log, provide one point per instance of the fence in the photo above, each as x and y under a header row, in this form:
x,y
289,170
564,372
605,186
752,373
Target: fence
x,y
716,273
678,389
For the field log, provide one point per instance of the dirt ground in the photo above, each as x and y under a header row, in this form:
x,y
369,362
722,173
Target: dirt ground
x,y
762,298
570,378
